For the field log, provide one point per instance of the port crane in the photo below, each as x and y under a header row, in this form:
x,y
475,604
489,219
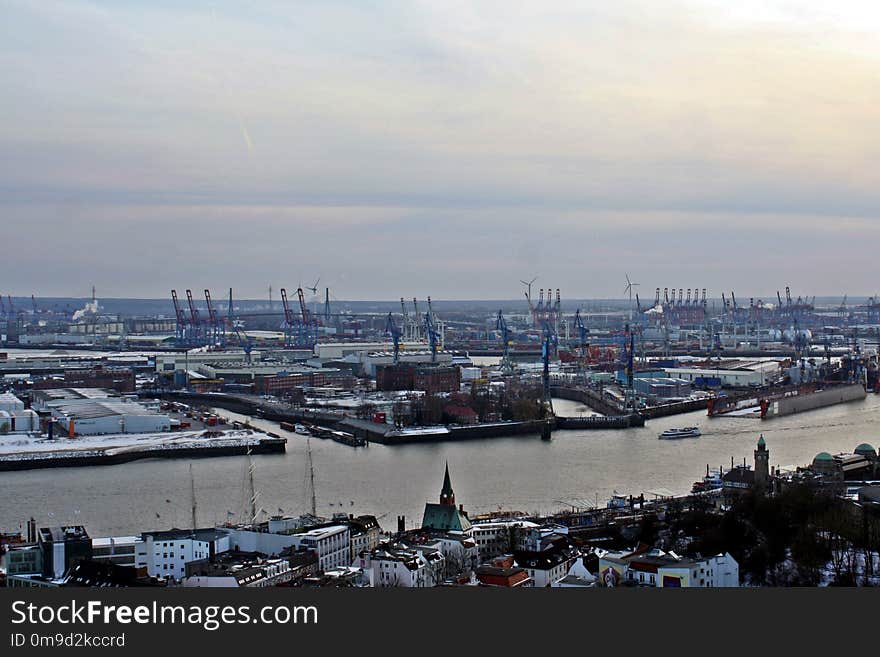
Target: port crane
x,y
583,331
288,324
431,332
501,325
547,343
298,332
304,310
408,324
182,333
244,340
417,327
629,349
216,329
392,329
195,317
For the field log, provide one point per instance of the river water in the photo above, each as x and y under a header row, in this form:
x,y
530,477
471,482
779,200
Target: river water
x,y
517,473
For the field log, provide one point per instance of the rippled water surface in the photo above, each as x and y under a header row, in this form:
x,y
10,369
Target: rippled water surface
x,y
519,473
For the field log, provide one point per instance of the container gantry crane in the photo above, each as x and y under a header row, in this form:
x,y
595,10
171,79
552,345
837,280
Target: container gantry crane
x,y
198,333
216,334
182,332
392,329
433,338
244,340
501,325
583,331
288,324
548,339
299,332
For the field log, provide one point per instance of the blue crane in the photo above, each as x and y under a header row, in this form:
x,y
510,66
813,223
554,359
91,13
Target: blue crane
x,y
583,331
501,325
392,329
629,349
431,332
244,340
547,344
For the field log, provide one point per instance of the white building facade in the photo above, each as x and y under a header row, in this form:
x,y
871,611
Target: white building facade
x,y
165,554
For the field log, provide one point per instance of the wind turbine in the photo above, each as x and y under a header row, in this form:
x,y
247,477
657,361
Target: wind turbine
x,y
528,285
314,290
629,290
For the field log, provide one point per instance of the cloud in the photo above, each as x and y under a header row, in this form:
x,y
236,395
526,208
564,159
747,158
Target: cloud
x,y
452,143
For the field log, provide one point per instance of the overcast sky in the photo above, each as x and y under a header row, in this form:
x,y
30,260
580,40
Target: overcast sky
x,y
443,148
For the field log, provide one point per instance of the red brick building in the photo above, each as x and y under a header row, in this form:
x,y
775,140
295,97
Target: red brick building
x,y
120,379
430,379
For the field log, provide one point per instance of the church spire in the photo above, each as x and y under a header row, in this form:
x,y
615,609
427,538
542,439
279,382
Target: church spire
x,y
447,496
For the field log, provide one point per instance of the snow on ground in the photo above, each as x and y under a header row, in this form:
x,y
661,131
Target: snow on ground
x,y
420,431
20,446
745,412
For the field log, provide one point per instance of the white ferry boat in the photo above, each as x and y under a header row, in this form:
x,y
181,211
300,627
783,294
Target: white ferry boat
x,y
687,432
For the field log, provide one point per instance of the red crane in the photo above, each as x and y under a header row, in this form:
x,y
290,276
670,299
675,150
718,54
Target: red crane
x,y
288,315
212,316
302,306
193,311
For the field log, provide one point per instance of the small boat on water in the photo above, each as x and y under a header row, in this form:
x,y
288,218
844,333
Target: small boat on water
x,y
301,429
687,432
711,481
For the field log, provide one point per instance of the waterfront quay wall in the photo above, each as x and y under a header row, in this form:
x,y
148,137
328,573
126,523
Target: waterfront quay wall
x,y
601,422
249,406
595,401
385,434
264,446
586,396
664,410
829,397
379,433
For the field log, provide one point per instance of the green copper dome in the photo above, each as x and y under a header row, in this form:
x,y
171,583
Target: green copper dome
x,y
823,456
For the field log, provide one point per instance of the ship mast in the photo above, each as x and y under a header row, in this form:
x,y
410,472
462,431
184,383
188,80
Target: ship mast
x,y
251,489
311,476
192,483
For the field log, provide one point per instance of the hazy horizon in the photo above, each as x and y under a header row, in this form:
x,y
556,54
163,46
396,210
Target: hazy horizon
x,y
439,148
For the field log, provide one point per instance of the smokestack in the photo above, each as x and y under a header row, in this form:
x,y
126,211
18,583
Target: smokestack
x,y
401,524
